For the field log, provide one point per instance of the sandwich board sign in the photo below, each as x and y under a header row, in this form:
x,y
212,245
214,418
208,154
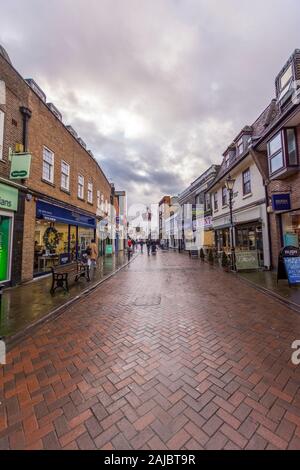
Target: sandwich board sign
x,y
289,265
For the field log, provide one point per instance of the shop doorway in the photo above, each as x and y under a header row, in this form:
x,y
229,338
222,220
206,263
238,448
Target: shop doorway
x,y
6,223
249,238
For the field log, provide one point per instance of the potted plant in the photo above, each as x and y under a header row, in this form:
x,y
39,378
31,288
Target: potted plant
x,y
202,255
225,261
210,257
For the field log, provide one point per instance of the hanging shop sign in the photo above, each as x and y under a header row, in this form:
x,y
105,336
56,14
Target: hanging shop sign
x,y
20,166
54,213
289,265
246,260
5,231
8,197
281,202
108,249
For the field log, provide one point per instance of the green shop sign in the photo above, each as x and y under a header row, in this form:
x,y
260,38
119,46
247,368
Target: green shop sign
x,y
20,166
246,260
108,250
8,197
5,228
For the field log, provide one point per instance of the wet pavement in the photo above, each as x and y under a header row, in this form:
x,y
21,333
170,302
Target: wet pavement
x,y
25,304
169,353
268,280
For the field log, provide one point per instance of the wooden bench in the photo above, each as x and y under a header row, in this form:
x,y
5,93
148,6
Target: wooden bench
x,y
62,274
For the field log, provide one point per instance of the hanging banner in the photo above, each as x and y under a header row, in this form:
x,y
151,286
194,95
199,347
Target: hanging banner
x,y
20,166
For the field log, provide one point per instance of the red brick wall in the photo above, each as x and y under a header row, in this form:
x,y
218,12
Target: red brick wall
x,y
45,130
16,96
290,184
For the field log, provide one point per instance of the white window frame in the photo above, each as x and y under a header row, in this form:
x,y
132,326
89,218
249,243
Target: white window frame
x,y
98,199
66,174
90,192
80,189
240,146
49,164
2,119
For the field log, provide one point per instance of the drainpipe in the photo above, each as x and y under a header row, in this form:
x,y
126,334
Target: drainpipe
x,y
26,113
269,225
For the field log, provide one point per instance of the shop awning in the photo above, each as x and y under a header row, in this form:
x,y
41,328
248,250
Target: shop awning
x,y
54,213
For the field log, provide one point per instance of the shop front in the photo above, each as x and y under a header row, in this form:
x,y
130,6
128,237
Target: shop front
x,y
249,238
8,207
61,235
250,234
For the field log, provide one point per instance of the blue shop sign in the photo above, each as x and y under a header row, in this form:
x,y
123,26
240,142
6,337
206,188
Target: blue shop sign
x,y
54,213
281,202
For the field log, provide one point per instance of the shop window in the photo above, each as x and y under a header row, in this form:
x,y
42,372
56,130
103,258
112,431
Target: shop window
x,y
5,246
90,193
48,165
224,196
291,228
80,187
1,133
282,151
246,182
65,176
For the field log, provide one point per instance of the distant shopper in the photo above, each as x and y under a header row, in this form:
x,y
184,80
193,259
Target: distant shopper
x,y
148,243
142,245
129,247
92,253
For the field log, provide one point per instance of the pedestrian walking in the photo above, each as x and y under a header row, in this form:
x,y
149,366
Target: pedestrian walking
x,y
129,247
148,243
142,246
92,254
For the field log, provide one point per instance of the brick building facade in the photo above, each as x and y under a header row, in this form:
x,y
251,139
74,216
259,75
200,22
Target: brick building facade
x,y
66,194
277,155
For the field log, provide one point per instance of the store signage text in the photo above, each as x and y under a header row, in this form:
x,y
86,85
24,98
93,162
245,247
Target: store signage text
x,y
281,202
8,197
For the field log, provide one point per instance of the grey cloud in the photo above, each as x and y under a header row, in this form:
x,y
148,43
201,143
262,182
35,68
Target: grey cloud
x,y
193,71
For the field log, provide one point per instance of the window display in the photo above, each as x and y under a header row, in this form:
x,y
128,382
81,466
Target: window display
x,y
291,228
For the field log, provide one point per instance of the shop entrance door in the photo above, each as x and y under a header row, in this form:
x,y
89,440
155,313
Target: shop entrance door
x,y
5,246
250,237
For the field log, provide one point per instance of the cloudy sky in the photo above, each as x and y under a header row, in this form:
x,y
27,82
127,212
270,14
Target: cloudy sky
x,y
157,88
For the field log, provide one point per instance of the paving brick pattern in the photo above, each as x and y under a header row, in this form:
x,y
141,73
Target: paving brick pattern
x,y
167,354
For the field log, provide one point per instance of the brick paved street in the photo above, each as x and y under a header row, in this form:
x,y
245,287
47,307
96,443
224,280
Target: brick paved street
x,y
167,354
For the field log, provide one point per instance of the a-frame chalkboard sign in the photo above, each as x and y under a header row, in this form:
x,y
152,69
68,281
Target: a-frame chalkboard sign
x,y
289,265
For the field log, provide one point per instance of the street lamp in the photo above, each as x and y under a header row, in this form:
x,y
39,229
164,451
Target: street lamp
x,y
229,183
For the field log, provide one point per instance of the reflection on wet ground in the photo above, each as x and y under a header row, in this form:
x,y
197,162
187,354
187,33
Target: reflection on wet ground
x,y
26,304
268,280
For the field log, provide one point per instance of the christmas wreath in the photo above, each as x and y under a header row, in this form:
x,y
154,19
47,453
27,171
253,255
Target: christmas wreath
x,y
51,238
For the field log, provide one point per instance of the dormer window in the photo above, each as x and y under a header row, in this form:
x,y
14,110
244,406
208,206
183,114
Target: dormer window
x,y
226,160
240,146
285,82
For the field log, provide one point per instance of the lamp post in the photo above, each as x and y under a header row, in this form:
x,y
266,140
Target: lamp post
x,y
229,183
